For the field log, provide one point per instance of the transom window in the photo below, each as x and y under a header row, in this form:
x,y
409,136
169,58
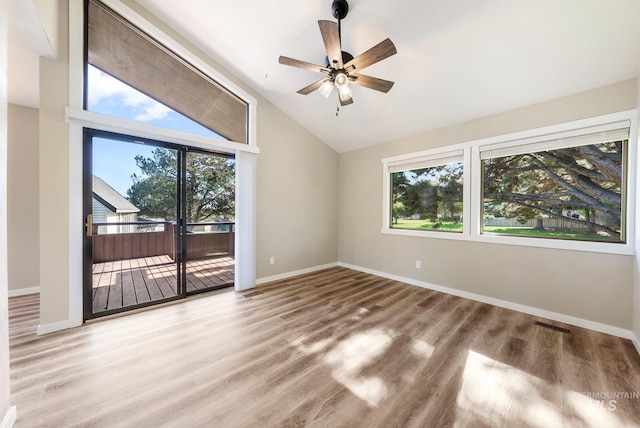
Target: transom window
x,y
152,83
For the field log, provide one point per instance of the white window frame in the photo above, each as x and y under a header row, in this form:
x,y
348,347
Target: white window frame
x,y
78,118
472,191
435,157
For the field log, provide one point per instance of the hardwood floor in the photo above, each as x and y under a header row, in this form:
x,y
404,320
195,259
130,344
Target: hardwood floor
x,y
328,349
130,282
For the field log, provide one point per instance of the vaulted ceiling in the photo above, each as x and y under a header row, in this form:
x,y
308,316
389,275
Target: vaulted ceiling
x,y
456,61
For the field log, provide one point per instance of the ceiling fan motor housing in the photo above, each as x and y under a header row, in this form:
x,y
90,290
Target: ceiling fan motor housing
x,y
346,57
339,9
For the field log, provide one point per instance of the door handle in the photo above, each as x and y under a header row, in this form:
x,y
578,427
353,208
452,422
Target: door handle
x,y
89,225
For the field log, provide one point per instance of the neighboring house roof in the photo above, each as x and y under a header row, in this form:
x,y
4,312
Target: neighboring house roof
x,y
110,198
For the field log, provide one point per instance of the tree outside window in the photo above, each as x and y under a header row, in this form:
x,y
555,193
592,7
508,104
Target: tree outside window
x,y
428,198
567,193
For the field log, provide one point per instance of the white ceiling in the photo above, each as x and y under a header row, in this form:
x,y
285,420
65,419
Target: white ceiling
x,y
457,60
27,42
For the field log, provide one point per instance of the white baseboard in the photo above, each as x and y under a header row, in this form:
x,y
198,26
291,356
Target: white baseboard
x,y
286,275
567,319
24,291
9,418
636,342
53,327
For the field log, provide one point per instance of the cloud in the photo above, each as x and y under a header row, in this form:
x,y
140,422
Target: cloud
x,y
102,86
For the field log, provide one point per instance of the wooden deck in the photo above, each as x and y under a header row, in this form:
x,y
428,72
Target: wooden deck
x,y
131,282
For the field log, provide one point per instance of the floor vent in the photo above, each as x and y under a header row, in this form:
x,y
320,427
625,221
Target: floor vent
x,y
551,327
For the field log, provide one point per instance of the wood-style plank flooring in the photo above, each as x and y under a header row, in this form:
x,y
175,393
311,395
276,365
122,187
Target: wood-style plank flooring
x,y
126,283
335,348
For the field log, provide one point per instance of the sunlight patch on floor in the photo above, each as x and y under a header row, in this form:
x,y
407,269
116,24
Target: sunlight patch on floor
x,y
597,413
492,391
420,348
349,357
360,314
314,348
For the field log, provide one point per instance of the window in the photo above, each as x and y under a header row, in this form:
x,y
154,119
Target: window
x,y
427,195
162,80
110,96
568,186
571,189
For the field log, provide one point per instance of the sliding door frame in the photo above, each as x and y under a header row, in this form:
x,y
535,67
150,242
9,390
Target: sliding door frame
x,y
89,135
181,218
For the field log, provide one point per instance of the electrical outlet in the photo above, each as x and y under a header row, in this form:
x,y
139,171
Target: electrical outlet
x,y
418,264
272,260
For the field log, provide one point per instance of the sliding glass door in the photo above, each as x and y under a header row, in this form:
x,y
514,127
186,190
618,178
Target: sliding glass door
x,y
210,221
159,222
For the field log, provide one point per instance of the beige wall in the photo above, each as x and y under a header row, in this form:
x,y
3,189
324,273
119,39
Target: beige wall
x,y
22,198
54,180
297,186
592,286
297,196
5,398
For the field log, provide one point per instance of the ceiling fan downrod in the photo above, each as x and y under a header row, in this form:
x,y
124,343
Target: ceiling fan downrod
x,y
339,10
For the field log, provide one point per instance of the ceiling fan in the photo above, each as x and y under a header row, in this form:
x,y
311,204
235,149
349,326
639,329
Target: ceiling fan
x,y
341,68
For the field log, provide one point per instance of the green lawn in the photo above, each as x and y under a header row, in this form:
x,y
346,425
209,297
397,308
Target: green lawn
x,y
518,231
448,226
525,231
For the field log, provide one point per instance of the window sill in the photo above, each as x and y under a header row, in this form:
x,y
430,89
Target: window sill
x,y
593,247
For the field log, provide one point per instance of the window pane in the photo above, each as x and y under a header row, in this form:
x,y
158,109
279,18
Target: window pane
x,y
568,193
108,95
428,198
118,48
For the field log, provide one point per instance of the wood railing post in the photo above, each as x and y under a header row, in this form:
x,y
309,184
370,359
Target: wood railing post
x,y
231,240
170,240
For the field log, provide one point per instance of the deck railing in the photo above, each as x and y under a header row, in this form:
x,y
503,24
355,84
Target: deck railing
x,y
157,238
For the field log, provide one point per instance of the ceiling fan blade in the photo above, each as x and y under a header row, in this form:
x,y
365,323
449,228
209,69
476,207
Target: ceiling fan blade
x,y
312,87
371,82
331,39
382,50
303,65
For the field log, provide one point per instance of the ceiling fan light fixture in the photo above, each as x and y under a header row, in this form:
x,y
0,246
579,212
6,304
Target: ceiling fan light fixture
x,y
344,93
341,80
325,88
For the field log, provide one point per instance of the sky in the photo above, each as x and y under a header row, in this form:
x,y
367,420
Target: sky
x,y
114,161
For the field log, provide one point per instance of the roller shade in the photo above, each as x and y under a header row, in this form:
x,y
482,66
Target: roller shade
x,y
426,161
121,50
613,132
